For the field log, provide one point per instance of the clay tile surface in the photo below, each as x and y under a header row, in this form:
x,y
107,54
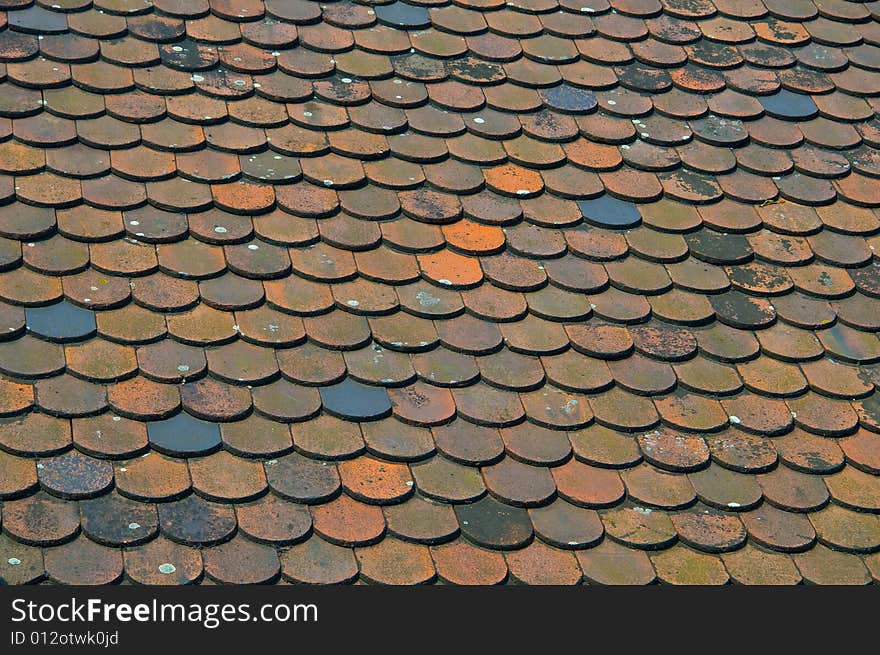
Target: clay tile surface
x,y
423,291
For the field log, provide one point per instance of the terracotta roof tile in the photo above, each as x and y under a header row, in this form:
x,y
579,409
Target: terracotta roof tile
x,y
535,279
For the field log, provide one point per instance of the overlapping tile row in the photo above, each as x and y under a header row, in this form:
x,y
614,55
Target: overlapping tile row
x,y
478,292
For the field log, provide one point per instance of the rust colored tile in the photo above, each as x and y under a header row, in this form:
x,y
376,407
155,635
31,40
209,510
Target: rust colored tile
x,y
556,409
753,566
56,256
136,106
123,258
348,522
327,437
160,292
743,452
396,562
74,475
48,189
240,561
604,341
113,193
20,159
484,405
447,481
107,132
378,366
201,326
223,477
588,486
41,520
152,477
539,564
112,520
97,291
514,273
450,269
163,562
311,365
348,233
396,441
519,484
565,526
142,399
256,437
83,562
374,481
468,444
619,306
621,410
726,294
317,562
862,451
536,445
673,450
109,436
601,446
682,307
240,363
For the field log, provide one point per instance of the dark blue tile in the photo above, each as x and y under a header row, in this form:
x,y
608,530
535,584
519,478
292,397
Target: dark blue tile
x,y
36,20
400,14
608,211
183,435
62,321
355,401
569,99
787,105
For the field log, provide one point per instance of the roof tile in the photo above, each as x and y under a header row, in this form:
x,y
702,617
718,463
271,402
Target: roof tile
x,y
638,233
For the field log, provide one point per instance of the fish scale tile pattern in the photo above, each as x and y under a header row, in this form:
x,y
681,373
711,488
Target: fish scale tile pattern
x,y
471,292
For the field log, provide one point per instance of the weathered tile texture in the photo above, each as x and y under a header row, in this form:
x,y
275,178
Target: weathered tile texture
x,y
470,292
